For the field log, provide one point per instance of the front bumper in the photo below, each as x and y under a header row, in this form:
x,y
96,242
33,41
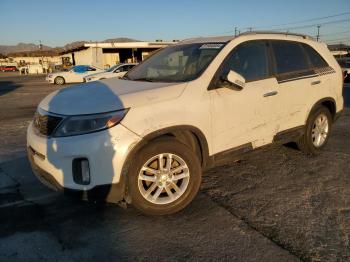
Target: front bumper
x,y
51,158
49,79
44,177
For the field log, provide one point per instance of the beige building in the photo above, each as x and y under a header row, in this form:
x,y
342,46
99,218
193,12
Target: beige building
x,y
31,60
104,55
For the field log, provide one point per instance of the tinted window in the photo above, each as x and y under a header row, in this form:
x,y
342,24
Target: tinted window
x,y
250,60
80,69
315,59
289,56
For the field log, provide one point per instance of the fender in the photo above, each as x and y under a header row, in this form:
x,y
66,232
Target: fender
x,y
203,144
322,102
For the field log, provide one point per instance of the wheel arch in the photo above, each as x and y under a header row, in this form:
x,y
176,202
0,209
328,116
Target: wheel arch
x,y
187,134
327,102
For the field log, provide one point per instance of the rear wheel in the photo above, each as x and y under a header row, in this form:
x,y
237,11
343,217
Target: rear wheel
x,y
318,128
164,178
59,80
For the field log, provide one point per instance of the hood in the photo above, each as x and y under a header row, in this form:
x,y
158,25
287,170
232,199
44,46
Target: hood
x,y
100,74
108,95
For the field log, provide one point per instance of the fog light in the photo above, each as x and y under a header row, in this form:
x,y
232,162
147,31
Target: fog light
x,y
81,171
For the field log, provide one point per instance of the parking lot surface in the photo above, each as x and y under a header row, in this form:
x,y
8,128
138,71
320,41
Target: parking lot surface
x,y
274,204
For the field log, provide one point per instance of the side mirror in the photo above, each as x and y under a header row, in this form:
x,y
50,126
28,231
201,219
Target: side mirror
x,y
234,81
117,71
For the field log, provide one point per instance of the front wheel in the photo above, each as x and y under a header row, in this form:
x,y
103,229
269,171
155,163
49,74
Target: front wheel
x,y
164,178
318,129
59,80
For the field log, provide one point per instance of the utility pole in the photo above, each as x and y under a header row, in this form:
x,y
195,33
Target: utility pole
x,y
42,57
318,33
236,31
250,29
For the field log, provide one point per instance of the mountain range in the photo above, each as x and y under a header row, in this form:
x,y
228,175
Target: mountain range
x,y
29,47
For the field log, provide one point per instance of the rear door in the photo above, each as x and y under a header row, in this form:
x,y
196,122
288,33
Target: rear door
x,y
293,73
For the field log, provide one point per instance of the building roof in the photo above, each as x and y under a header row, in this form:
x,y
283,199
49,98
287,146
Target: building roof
x,y
138,44
129,44
38,53
75,49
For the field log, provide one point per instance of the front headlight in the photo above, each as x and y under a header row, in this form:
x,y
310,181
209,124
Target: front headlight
x,y
84,124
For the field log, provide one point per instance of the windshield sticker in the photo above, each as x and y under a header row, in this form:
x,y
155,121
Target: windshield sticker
x,y
211,46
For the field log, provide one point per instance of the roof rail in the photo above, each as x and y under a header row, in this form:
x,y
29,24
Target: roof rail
x,y
278,33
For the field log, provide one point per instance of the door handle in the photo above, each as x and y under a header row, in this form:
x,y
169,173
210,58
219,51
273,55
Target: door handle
x,y
317,82
272,93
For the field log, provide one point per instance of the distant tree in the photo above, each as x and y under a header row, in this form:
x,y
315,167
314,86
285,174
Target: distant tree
x,y
2,56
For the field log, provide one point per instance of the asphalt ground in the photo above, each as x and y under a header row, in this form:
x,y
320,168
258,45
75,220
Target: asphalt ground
x,y
274,204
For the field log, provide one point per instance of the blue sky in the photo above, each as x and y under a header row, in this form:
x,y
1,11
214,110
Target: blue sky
x,y
56,23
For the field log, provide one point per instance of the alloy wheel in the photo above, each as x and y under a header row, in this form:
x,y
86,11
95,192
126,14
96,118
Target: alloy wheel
x,y
319,132
163,178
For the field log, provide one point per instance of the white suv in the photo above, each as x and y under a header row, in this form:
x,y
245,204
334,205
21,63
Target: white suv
x,y
146,138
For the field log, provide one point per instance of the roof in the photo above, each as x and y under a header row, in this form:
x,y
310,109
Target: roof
x,y
277,33
224,39
215,39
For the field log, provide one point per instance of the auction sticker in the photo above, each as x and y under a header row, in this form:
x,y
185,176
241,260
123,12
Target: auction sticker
x,y
211,46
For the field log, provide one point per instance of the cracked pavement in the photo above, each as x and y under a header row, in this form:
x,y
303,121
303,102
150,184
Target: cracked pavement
x,y
274,204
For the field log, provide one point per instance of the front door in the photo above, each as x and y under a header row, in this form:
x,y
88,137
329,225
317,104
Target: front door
x,y
247,116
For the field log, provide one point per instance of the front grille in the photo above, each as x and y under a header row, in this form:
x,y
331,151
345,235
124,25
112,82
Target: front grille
x,y
46,123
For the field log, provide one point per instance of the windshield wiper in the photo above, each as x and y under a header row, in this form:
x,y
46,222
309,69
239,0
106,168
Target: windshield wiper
x,y
143,79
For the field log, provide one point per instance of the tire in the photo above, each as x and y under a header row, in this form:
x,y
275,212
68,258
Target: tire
x,y
308,143
159,197
59,80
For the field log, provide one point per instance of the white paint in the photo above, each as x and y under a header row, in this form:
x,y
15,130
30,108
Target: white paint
x,y
226,117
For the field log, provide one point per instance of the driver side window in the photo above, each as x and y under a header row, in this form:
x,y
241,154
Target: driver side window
x,y
249,59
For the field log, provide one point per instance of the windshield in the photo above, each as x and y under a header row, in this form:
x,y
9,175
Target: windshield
x,y
179,63
112,68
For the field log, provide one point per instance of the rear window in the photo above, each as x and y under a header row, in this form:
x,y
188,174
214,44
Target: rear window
x,y
315,58
289,56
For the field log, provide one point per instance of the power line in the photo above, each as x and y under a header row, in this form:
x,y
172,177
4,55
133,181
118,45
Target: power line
x,y
313,25
339,33
339,39
306,20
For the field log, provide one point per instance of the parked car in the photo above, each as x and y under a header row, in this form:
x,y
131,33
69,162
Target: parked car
x,y
146,138
345,66
75,74
8,68
115,71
